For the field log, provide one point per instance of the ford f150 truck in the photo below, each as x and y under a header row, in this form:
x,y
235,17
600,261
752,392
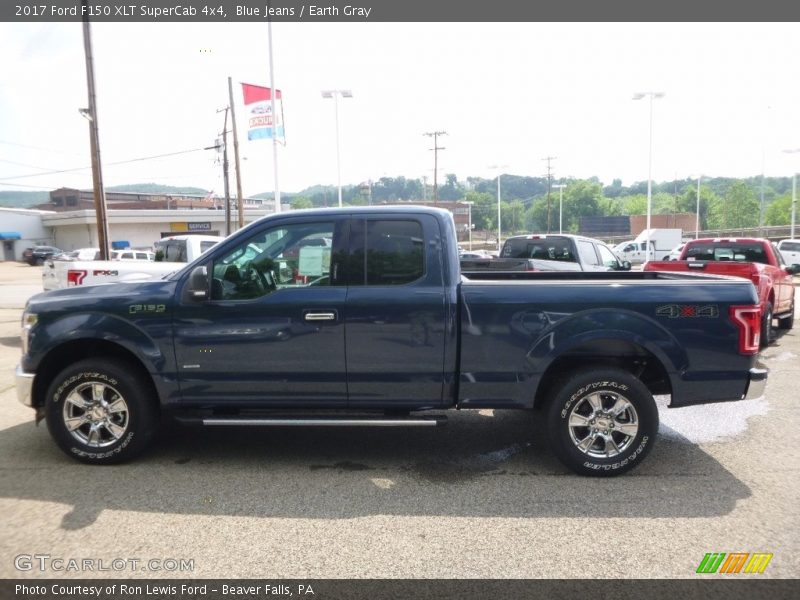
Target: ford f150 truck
x,y
360,317
551,252
755,259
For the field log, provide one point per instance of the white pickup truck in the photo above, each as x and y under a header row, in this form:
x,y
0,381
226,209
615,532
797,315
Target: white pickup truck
x,y
175,251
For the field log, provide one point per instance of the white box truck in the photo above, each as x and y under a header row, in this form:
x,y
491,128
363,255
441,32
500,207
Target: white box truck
x,y
662,241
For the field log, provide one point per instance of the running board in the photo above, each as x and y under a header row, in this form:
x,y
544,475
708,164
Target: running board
x,y
327,422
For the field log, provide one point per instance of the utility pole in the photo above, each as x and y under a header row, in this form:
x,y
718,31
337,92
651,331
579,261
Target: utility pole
x,y
239,199
435,135
94,140
225,172
549,181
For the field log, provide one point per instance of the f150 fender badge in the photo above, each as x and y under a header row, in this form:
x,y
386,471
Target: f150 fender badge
x,y
135,309
679,311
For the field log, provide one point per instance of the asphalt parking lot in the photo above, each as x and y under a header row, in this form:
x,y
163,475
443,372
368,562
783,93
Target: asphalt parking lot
x,y
480,498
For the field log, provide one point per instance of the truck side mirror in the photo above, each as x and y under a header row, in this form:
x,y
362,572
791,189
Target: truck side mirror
x,y
198,284
625,266
794,269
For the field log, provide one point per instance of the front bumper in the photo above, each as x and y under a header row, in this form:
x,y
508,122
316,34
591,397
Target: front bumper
x,y
757,383
24,386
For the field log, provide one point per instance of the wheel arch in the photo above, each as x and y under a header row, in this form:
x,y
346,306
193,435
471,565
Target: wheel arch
x,y
629,355
73,351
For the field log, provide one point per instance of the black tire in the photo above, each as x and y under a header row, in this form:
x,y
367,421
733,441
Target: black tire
x,y
766,326
88,393
39,262
787,322
632,431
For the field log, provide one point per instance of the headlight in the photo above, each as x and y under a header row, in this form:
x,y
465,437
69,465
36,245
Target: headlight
x,y
28,321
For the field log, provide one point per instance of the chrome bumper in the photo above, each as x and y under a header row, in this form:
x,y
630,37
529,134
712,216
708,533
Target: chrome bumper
x,y
758,381
24,386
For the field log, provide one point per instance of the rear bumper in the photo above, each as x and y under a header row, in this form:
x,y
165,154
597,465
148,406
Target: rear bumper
x,y
24,386
756,384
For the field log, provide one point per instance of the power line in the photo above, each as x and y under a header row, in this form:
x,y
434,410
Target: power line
x,y
121,162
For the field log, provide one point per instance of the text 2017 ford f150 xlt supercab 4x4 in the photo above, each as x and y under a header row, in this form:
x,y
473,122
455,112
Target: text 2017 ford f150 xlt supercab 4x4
x,y
360,316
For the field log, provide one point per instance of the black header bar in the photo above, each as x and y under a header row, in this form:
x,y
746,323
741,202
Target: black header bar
x,y
367,11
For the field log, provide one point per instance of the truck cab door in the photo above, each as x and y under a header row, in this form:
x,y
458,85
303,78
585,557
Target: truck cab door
x,y
271,331
396,313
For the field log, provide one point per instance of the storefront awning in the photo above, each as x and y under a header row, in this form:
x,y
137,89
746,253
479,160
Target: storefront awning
x,y
9,235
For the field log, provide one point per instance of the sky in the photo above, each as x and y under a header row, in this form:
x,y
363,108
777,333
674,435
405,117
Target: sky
x,y
507,94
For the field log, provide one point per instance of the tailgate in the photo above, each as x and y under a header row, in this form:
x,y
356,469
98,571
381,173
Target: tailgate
x,y
745,270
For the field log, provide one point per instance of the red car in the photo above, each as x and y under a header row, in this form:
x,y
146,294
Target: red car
x,y
756,259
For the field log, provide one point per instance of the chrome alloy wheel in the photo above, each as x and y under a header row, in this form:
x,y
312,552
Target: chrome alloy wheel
x,y
96,414
603,424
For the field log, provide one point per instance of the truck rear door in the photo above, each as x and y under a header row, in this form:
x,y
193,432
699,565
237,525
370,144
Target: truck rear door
x,y
396,311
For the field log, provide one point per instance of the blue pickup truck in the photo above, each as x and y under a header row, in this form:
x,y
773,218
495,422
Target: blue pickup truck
x,y
361,317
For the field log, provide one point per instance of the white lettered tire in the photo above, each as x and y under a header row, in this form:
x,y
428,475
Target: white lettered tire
x,y
602,422
98,412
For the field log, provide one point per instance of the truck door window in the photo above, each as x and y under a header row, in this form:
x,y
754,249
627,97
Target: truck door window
x,y
607,257
394,253
295,255
588,255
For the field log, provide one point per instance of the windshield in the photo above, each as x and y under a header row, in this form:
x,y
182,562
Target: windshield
x,y
551,248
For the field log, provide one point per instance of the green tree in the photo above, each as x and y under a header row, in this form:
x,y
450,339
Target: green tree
x,y
737,208
301,202
780,211
484,210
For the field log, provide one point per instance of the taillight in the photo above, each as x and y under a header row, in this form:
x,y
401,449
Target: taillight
x,y
75,277
748,321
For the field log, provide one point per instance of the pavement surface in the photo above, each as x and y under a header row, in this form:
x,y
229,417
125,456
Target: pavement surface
x,y
480,498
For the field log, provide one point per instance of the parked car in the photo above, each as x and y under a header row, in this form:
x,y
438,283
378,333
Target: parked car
x,y
550,252
790,249
39,254
383,325
755,259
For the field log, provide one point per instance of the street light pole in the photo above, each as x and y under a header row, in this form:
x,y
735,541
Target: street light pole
x,y
651,96
335,95
560,187
499,226
697,218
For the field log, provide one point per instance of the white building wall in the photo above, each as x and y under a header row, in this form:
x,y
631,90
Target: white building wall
x,y
140,228
28,223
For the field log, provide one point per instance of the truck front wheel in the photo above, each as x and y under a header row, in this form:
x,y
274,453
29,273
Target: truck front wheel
x,y
97,412
602,422
766,326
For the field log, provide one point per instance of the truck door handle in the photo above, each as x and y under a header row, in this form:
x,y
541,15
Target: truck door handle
x,y
320,316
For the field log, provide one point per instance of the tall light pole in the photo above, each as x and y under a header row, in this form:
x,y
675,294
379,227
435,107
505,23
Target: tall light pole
x,y
469,223
794,193
560,187
652,96
499,227
335,95
697,216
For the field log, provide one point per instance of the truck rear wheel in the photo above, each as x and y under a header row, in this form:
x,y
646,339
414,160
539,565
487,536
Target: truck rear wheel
x,y
97,412
602,422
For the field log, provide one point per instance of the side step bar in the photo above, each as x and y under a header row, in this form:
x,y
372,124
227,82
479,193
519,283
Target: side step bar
x,y
327,422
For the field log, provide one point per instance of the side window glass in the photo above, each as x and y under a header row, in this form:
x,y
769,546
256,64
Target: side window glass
x,y
588,255
296,255
607,256
395,252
